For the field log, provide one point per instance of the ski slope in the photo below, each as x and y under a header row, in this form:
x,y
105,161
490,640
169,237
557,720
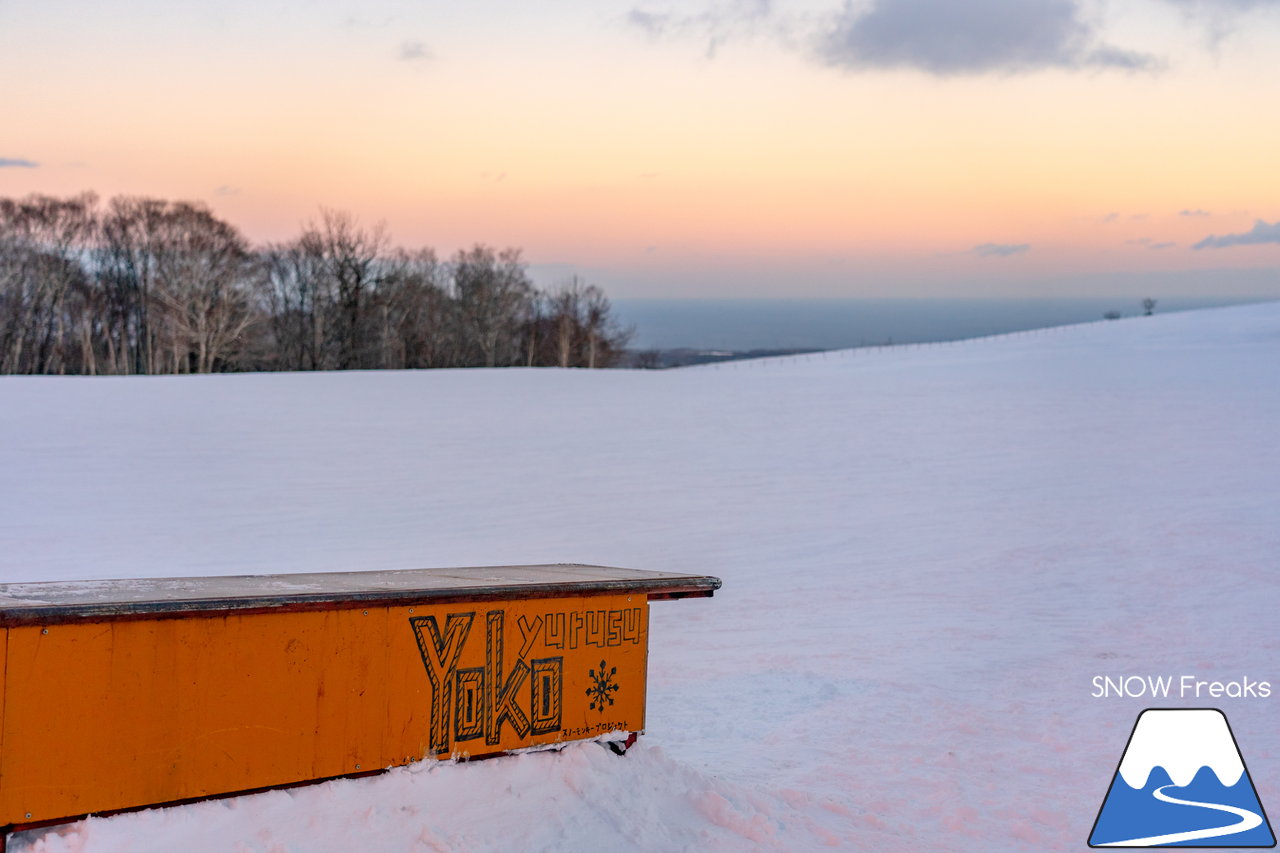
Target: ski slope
x,y
927,552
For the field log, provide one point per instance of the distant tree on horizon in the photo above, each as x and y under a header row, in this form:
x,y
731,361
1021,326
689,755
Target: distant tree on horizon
x,y
46,301
495,300
146,286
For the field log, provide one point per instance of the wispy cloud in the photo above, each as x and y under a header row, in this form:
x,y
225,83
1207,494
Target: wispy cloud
x,y
226,190
1262,232
415,51
1221,18
1162,245
652,24
1001,250
17,163
1196,212
945,37
1224,6
715,25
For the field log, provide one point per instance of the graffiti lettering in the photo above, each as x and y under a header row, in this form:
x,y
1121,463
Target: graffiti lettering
x,y
440,655
500,698
548,695
474,698
599,628
475,702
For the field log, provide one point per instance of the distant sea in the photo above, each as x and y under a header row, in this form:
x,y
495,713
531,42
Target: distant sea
x,y
747,324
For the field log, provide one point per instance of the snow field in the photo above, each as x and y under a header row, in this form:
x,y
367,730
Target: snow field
x,y
927,555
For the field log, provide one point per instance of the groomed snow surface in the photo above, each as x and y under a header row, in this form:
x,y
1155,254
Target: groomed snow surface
x,y
928,553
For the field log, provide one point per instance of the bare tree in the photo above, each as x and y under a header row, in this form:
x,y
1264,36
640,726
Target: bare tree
x,y
43,242
566,319
584,329
352,258
126,266
418,327
203,275
606,338
299,300
494,301
150,286
320,291
177,286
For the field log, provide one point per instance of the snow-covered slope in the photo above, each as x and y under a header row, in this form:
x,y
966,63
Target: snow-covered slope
x,y
927,554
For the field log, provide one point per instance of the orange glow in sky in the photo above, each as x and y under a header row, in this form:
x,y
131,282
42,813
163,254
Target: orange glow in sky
x,y
839,151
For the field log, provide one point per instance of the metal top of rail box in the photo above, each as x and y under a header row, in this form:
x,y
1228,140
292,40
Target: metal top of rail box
x,y
57,601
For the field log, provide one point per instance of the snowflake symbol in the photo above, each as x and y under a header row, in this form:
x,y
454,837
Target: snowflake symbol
x,y
602,684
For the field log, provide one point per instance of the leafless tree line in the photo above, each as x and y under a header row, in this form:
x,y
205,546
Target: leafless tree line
x,y
147,286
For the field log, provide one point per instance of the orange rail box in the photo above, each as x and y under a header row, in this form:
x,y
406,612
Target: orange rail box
x,y
121,694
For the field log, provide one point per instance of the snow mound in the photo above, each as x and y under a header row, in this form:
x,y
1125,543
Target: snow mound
x,y
534,801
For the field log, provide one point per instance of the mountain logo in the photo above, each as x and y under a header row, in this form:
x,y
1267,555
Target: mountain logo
x,y
1182,783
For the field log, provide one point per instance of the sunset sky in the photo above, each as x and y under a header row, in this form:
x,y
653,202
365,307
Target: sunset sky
x,y
819,148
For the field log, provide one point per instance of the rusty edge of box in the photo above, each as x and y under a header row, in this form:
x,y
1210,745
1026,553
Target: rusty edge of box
x,y
45,603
